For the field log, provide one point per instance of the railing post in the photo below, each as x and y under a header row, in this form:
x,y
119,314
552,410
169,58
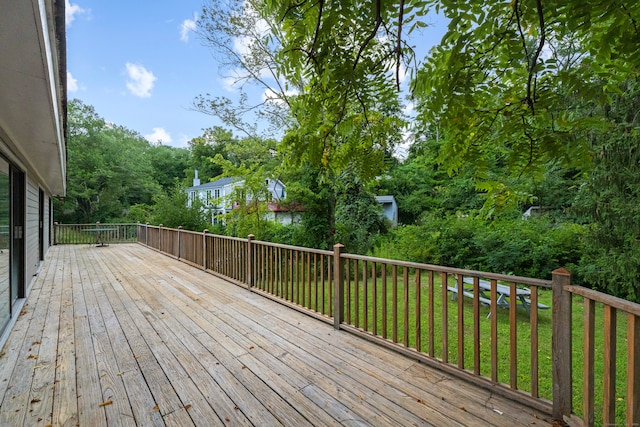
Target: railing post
x,y
160,238
204,248
55,233
179,241
338,283
250,239
561,344
146,234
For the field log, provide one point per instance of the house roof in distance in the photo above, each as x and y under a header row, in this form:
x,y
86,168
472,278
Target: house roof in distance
x,y
218,183
385,199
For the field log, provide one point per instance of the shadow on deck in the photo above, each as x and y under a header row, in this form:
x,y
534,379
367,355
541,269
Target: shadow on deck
x,y
122,335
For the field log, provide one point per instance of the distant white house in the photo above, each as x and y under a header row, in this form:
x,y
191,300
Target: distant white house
x,y
216,196
389,208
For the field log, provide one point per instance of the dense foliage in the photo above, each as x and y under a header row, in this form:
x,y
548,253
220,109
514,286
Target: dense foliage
x,y
514,90
108,169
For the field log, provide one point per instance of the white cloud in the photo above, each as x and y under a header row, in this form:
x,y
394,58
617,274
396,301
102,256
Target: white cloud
x,y
229,84
409,108
140,80
70,11
402,74
72,83
158,136
188,25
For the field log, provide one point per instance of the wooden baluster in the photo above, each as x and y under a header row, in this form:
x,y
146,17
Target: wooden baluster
x,y
513,336
588,360
418,310
445,317
609,401
494,330
374,299
431,314
365,298
533,325
405,279
633,370
338,281
460,286
476,325
383,273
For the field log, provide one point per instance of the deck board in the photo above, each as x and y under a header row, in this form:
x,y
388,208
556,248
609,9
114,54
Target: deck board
x,y
122,335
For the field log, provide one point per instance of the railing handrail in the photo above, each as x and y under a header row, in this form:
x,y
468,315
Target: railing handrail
x,y
297,248
454,270
116,232
62,224
610,300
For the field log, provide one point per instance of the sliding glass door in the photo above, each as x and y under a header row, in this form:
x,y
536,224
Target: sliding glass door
x,y
17,235
6,297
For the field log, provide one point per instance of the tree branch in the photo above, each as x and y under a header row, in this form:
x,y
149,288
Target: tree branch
x,y
534,60
318,24
290,8
372,34
399,44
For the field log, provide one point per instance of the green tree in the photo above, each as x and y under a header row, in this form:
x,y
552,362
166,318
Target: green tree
x,y
108,169
421,184
520,80
347,116
254,161
609,201
174,210
359,217
169,164
204,148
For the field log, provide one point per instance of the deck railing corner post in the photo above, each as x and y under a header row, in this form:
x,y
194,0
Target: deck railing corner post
x,y
179,241
561,344
160,247
55,232
250,266
338,283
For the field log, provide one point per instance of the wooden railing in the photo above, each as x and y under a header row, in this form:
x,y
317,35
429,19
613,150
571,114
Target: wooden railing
x,y
454,319
94,233
469,323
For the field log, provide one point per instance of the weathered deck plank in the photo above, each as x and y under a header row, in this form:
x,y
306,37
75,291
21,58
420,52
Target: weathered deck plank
x,y
121,335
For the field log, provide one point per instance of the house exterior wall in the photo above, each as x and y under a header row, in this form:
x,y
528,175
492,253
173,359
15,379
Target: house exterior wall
x,y
216,198
389,208
32,142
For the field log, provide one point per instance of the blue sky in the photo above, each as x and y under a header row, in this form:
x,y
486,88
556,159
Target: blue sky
x,y
140,65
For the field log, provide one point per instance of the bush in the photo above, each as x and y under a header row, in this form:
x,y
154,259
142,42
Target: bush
x,y
532,248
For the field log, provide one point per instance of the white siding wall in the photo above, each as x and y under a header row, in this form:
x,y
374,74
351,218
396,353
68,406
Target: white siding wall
x,y
32,260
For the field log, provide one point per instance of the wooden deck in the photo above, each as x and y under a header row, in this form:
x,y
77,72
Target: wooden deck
x,y
122,335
